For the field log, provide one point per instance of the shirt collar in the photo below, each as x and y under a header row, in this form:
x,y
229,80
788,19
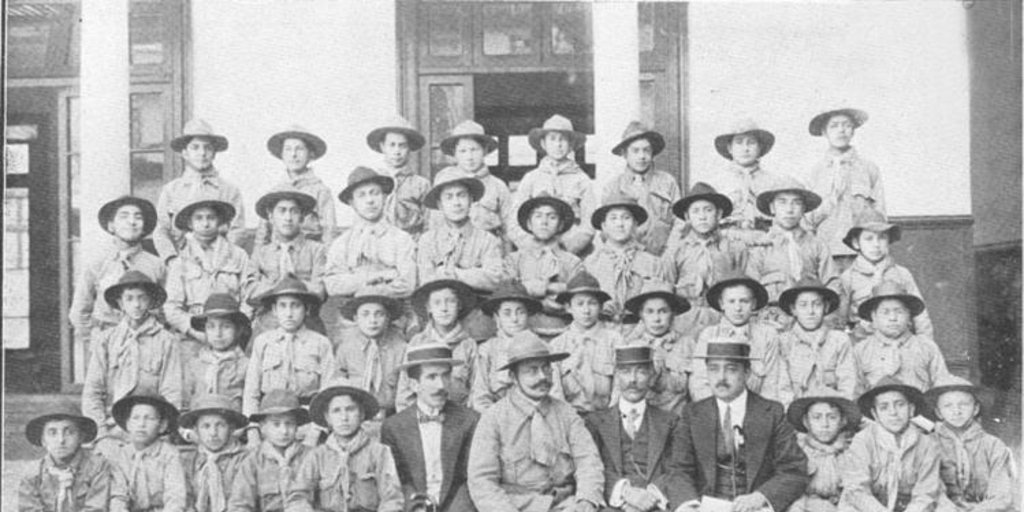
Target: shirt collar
x,y
527,406
148,451
352,446
425,410
74,464
209,355
776,232
753,170
693,239
625,407
863,266
195,176
738,404
973,431
306,177
466,229
813,338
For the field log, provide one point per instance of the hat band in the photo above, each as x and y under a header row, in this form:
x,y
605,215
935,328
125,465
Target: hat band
x,y
429,354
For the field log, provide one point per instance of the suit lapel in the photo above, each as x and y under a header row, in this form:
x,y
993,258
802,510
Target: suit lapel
x,y
450,430
610,426
657,430
410,429
755,433
706,421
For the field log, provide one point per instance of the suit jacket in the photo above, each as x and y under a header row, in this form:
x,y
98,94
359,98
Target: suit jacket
x,y
663,457
401,432
775,464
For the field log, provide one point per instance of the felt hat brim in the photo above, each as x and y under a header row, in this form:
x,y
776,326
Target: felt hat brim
x,y
551,358
311,299
393,307
467,298
265,204
655,138
241,321
489,143
714,296
764,200
300,414
567,218
234,418
318,407
914,304
764,138
678,304
866,402
798,409
377,135
788,298
639,213
682,206
317,147
149,216
491,305
220,142
387,185
447,361
156,292
123,407
566,296
34,428
878,227
536,136
474,185
225,213
817,125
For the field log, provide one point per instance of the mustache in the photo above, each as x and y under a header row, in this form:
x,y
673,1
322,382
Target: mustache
x,y
542,384
722,385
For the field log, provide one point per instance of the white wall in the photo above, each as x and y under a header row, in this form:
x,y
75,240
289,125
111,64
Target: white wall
x,y
260,65
780,63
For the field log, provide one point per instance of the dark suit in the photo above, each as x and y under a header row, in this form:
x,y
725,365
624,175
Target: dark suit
x,y
662,468
775,464
401,432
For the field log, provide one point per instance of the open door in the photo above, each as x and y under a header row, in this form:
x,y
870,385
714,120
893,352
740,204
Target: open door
x,y
445,101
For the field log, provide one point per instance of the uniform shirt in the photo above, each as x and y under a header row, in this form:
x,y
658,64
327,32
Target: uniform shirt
x,y
976,468
197,273
123,359
92,485
264,477
463,347
267,267
742,186
696,263
672,363
876,472
656,191
491,384
823,462
301,362
623,271
914,360
862,276
356,476
103,272
819,359
320,224
536,266
155,477
587,373
404,206
568,182
216,373
465,253
190,187
768,372
493,213
524,451
372,365
209,486
369,248
839,178
779,265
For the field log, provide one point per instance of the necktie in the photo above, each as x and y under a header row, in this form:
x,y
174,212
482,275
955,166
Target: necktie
x,y
285,264
796,262
139,492
436,418
374,376
631,422
211,485
727,433
65,479
213,371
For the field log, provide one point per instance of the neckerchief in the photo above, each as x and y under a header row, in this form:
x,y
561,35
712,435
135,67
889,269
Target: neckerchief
x,y
212,261
546,260
65,476
622,267
209,177
124,354
874,271
892,358
635,184
139,492
212,495
542,439
453,338
345,451
840,164
892,453
364,243
789,240
285,263
746,175
823,463
700,252
285,463
963,457
450,243
374,374
215,360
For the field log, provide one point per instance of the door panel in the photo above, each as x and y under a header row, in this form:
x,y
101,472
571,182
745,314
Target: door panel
x,y
445,101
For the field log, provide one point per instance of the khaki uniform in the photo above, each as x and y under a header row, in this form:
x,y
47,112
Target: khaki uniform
x,y
879,476
372,365
466,253
977,469
493,213
190,187
404,207
155,477
914,360
656,191
490,384
823,463
839,178
464,348
672,362
267,267
301,362
357,477
88,309
779,265
588,372
209,476
264,478
622,273
856,283
216,373
567,182
742,185
92,485
371,248
694,265
819,359
322,223
537,266
768,372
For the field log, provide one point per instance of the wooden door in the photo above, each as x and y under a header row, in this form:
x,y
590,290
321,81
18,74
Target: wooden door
x,y
444,102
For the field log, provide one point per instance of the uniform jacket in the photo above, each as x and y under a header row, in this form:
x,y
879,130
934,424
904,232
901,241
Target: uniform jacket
x,y
217,373
656,191
190,187
227,460
262,482
568,182
982,476
914,360
371,248
155,477
772,266
857,281
622,272
490,384
404,206
465,253
742,186
88,308
373,365
819,359
587,374
537,266
301,365
309,261
96,486
839,179
196,274
871,467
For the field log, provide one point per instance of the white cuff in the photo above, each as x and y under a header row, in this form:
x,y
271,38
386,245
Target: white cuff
x,y
662,500
615,500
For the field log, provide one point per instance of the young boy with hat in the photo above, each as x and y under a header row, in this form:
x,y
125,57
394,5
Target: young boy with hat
x,y
620,262
825,422
849,184
263,478
395,140
871,238
210,469
69,477
543,266
891,464
976,468
298,148
558,175
655,307
371,354
702,256
587,374
129,220
198,145
351,470
138,353
744,144
655,190
443,304
818,357
221,365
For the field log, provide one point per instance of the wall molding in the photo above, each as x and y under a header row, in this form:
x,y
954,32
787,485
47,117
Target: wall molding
x,y
931,222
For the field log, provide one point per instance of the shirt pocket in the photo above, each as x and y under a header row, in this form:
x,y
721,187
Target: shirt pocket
x,y
515,460
307,373
269,489
364,491
272,371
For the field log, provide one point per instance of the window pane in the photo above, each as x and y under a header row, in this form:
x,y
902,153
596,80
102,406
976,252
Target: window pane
x,y
147,121
570,29
16,269
147,175
444,30
16,158
447,102
508,29
147,35
42,40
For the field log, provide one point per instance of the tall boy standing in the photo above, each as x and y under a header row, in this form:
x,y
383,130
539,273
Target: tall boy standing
x,y
744,179
395,140
298,148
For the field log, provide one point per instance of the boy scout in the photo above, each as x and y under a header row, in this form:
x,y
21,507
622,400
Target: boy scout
x,y
849,184
655,307
395,140
542,265
818,357
891,465
351,471
264,477
871,238
620,263
210,470
558,175
532,452
977,468
655,190
69,478
744,180
128,219
369,358
198,145
138,353
825,422
222,363
297,148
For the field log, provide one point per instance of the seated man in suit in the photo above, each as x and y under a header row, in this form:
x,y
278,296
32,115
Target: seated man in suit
x,y
736,445
640,472
430,441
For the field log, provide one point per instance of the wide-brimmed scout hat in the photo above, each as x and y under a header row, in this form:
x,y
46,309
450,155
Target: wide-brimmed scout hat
x,y
433,353
890,290
950,382
730,350
199,128
467,298
527,346
135,279
559,124
634,354
702,192
582,282
396,124
510,291
225,212
123,408
60,411
745,127
808,284
797,409
281,401
109,210
655,288
318,406
618,201
361,176
474,185
788,185
213,404
293,286
266,204
565,214
317,147
636,130
392,306
866,402
714,296
874,221
468,130
818,122
223,305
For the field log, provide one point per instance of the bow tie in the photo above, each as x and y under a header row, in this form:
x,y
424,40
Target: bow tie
x,y
426,418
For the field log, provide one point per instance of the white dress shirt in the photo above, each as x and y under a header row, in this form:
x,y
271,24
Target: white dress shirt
x,y
637,411
737,411
430,437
